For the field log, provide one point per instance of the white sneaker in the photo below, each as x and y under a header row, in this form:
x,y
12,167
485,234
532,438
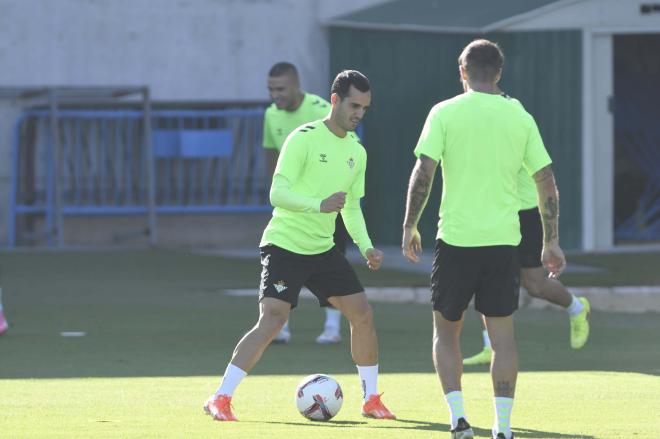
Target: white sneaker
x,y
284,337
329,336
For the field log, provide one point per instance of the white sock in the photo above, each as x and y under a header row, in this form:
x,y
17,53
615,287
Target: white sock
x,y
369,379
231,379
575,307
455,402
503,407
332,319
486,339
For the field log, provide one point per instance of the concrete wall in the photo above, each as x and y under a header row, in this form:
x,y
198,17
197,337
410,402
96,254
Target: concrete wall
x,y
190,50
183,49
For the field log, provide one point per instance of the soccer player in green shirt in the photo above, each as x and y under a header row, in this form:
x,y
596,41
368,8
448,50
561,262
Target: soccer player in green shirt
x,y
482,141
319,173
290,109
532,274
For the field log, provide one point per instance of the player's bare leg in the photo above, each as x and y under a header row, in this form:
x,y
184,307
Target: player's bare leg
x,y
503,370
364,342
364,350
539,285
273,314
449,367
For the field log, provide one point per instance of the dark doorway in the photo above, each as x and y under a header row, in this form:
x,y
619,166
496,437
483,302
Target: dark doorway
x,y
636,138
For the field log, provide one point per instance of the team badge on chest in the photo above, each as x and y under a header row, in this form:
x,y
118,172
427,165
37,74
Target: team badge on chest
x,y
351,163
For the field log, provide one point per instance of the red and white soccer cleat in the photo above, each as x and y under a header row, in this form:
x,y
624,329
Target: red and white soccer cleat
x,y
220,408
374,408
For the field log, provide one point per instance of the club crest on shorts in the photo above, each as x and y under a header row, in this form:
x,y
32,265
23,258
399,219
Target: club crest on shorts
x,y
280,286
351,163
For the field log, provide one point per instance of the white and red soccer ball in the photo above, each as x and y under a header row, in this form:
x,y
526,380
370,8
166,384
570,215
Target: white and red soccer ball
x,y
319,397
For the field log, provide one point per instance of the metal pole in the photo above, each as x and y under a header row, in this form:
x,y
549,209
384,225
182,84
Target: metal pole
x,y
13,192
57,155
151,174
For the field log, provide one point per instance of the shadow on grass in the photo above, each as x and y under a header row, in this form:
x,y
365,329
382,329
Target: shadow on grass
x,y
165,314
316,424
411,424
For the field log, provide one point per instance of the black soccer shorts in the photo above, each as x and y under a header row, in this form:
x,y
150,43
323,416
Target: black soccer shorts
x,y
326,275
491,274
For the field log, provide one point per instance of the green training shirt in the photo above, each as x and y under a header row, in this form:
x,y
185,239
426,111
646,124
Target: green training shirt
x,y
278,124
526,184
527,191
482,141
316,164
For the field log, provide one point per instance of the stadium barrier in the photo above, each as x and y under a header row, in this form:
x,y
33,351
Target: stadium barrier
x,y
204,161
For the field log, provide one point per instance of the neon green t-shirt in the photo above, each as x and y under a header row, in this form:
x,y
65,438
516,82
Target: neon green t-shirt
x,y
527,191
526,184
482,141
278,124
317,164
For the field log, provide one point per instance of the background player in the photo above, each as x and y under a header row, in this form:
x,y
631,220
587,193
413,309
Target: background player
x,y
532,274
291,108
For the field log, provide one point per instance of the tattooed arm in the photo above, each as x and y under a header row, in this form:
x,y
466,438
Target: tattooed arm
x,y
419,189
552,255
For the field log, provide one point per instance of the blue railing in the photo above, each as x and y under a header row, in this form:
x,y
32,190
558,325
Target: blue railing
x,y
205,161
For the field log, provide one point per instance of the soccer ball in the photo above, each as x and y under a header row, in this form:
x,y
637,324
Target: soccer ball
x,y
319,397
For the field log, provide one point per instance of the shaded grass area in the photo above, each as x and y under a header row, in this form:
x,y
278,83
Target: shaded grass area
x,y
164,314
617,269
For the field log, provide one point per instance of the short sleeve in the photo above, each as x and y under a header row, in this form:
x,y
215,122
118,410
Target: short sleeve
x,y
536,156
431,142
321,110
269,142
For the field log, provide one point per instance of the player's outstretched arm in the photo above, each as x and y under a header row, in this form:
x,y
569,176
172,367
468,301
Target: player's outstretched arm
x,y
419,189
552,255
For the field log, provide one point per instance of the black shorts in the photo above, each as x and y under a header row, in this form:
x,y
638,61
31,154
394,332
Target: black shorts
x,y
341,236
326,275
491,274
531,244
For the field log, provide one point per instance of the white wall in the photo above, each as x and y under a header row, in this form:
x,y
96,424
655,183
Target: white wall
x,y
183,49
188,50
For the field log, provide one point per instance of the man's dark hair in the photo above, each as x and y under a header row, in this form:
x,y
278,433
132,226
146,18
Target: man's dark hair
x,y
345,79
283,68
482,59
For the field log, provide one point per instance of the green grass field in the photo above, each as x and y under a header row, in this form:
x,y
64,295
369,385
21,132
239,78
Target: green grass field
x,y
160,332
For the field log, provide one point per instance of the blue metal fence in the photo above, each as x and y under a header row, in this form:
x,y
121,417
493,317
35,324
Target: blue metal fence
x,y
205,161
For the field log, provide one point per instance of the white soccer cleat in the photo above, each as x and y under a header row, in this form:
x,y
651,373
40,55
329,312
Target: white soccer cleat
x,y
329,336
